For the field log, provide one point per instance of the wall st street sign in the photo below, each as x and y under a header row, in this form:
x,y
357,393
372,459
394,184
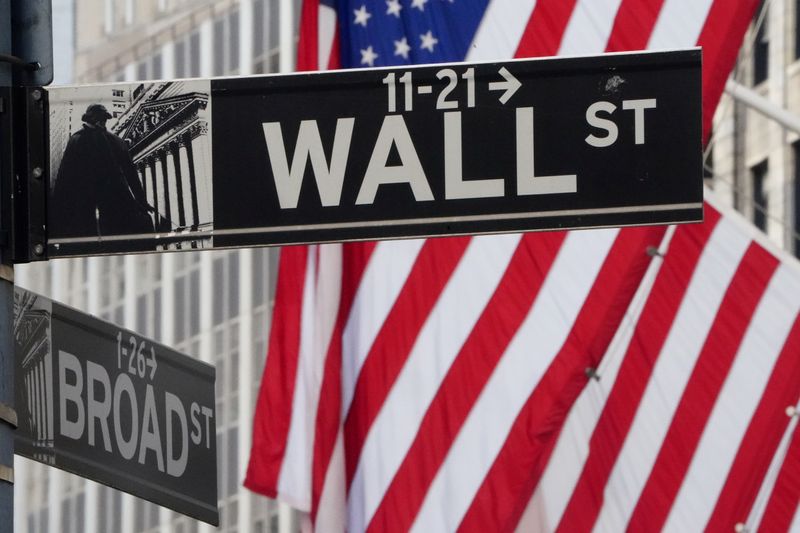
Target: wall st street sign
x,y
432,150
112,406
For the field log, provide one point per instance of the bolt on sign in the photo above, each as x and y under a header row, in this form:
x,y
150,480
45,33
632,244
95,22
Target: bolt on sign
x,y
113,406
431,150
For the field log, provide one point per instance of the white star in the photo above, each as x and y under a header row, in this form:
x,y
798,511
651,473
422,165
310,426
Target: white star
x,y
393,7
419,4
428,41
362,15
401,48
368,56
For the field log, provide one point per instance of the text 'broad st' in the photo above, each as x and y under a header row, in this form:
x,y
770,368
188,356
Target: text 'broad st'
x,y
115,407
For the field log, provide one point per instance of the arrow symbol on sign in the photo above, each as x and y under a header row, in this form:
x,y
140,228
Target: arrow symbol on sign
x,y
510,85
151,363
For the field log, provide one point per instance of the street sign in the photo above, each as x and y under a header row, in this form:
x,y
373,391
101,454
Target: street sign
x,y
110,405
461,148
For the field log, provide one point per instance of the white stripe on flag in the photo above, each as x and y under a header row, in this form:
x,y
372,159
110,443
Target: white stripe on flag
x,y
589,27
321,293
326,33
331,507
460,305
529,354
737,402
718,263
679,24
500,30
572,447
384,278
795,527
767,486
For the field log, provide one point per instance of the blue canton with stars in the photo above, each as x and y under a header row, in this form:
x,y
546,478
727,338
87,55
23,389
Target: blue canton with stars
x,y
377,33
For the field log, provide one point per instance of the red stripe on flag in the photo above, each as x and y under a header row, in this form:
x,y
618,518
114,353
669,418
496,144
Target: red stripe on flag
x,y
782,504
335,61
466,378
431,271
761,440
507,488
633,25
328,421
708,376
651,332
545,29
274,407
308,44
726,18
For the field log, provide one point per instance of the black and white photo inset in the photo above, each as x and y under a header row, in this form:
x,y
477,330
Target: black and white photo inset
x,y
34,362
131,164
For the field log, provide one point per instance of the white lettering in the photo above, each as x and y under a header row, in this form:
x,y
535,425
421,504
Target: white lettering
x,y
151,435
528,183
638,107
197,432
176,467
601,123
454,185
309,146
394,132
98,409
126,447
70,393
209,414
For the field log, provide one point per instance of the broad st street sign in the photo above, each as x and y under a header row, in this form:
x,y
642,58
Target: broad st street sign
x,y
112,406
432,150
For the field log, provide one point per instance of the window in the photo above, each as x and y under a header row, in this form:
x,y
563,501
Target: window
x,y
187,56
761,48
130,12
797,29
796,199
141,70
226,43
265,36
219,47
108,20
158,67
233,39
760,199
180,59
194,54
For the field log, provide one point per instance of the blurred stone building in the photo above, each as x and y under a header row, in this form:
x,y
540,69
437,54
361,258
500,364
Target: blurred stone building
x,y
214,305
753,159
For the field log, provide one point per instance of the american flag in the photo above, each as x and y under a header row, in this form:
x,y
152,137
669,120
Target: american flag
x,y
645,378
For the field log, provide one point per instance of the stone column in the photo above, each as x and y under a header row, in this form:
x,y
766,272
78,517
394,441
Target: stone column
x,y
152,162
141,169
165,176
176,159
187,142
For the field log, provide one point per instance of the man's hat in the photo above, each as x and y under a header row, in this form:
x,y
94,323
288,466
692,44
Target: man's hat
x,y
95,112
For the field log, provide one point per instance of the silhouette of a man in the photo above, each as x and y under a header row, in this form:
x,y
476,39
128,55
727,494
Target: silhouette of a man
x,y
97,189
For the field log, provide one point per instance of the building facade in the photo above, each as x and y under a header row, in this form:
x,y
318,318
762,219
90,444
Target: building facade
x,y
214,305
752,160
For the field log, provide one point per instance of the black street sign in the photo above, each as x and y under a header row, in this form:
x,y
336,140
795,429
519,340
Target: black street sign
x,y
462,148
110,405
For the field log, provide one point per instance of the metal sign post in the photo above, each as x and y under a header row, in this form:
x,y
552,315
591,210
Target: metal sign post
x,y
7,412
447,149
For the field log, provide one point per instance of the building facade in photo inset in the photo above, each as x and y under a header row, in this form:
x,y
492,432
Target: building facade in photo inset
x,y
132,162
